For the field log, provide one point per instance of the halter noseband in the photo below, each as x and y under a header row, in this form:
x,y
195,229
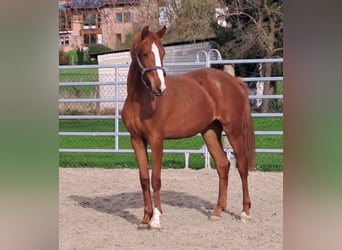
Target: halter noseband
x,y
147,69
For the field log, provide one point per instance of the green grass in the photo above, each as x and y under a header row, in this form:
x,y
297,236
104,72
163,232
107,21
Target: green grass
x,y
269,161
107,160
280,88
78,75
264,161
73,57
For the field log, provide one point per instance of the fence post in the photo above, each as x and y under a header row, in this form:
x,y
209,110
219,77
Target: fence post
x,y
186,157
116,107
206,158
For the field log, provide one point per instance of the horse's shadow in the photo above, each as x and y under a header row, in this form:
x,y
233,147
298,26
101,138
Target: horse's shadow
x,y
118,204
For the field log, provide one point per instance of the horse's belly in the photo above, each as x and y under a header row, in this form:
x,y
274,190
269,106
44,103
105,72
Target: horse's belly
x,y
187,126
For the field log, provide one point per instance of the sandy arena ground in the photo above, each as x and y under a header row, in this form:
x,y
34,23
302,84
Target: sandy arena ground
x,y
101,209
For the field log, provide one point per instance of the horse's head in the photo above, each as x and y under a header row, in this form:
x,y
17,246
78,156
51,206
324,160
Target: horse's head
x,y
148,51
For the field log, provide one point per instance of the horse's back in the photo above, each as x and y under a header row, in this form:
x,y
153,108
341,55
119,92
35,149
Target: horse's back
x,y
215,93
221,86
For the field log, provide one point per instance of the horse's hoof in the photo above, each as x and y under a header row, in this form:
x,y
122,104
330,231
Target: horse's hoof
x,y
214,217
143,226
155,226
244,217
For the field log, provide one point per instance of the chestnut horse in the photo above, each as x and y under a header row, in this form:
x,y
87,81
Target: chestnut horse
x,y
206,101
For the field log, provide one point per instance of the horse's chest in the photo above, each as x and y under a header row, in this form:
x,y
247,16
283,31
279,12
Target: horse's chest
x,y
132,120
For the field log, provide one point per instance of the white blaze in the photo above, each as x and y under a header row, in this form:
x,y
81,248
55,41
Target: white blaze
x,y
158,63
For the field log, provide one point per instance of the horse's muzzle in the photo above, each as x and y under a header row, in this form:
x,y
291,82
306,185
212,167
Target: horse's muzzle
x,y
158,91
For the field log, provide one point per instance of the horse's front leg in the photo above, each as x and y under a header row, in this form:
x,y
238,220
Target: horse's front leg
x,y
140,149
157,155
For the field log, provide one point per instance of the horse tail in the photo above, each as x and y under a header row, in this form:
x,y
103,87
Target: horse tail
x,y
248,131
249,142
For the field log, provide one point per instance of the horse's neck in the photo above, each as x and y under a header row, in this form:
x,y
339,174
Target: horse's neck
x,y
138,95
135,87
133,79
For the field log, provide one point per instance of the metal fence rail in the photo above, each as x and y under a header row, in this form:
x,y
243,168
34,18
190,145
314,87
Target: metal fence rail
x,y
117,82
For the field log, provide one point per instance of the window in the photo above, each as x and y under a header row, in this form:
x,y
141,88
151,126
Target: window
x,y
64,41
89,39
64,21
118,17
127,17
123,17
91,20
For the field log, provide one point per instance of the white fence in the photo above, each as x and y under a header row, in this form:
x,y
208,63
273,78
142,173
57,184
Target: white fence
x,y
112,92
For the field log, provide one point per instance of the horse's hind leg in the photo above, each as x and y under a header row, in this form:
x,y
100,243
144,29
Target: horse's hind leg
x,y
236,139
212,137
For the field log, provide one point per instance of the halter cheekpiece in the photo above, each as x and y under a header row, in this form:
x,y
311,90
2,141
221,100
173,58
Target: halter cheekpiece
x,y
147,69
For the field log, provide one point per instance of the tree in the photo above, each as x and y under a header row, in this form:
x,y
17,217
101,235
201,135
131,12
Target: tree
x,y
189,20
254,29
97,48
63,58
80,56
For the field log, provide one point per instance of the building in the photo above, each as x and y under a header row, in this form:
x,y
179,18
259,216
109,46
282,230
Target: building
x,y
109,22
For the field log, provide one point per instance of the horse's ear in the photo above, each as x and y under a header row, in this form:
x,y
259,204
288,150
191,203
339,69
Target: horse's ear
x,y
161,32
144,32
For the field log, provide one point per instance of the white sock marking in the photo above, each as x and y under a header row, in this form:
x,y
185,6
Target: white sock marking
x,y
155,220
158,63
244,217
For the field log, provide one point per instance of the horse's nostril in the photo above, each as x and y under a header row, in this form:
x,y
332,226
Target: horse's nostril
x,y
158,91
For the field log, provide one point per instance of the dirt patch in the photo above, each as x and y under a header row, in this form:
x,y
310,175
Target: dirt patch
x,y
101,209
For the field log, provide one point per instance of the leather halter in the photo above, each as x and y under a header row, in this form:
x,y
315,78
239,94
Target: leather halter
x,y
147,69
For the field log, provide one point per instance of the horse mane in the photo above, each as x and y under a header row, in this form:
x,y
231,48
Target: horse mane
x,y
135,43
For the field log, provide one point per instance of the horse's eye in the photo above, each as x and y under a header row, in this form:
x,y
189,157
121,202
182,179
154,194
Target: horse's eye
x,y
145,54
